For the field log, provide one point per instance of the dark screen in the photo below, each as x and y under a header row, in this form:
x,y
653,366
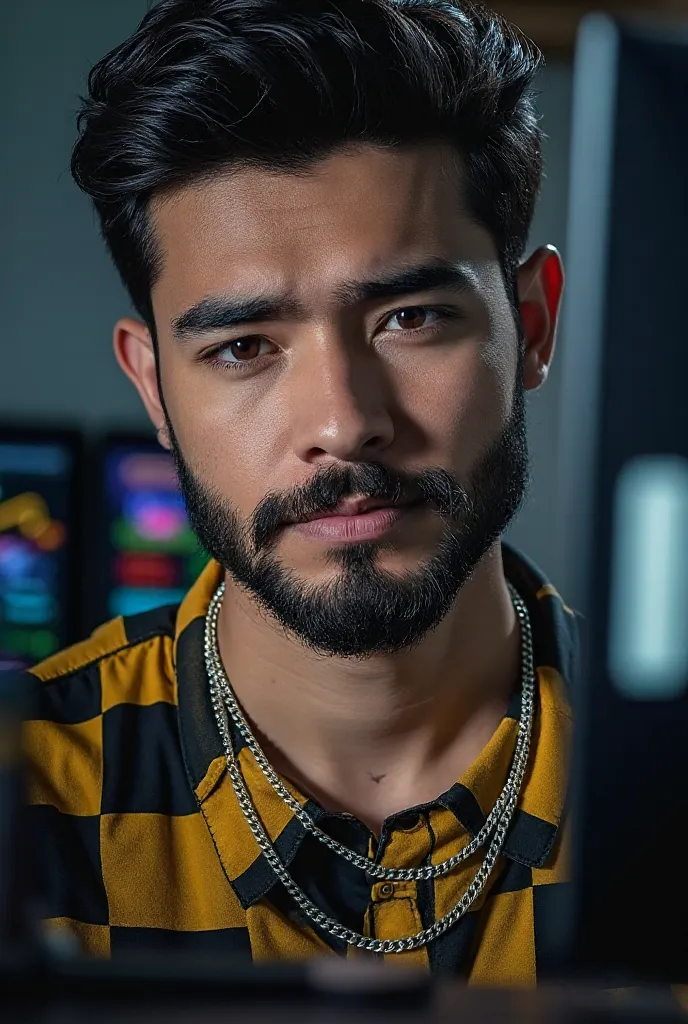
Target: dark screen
x,y
625,460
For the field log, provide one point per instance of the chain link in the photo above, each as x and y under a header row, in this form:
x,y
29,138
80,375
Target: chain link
x,y
427,872
225,706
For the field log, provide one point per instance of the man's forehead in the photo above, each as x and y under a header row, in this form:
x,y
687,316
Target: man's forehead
x,y
350,217
417,187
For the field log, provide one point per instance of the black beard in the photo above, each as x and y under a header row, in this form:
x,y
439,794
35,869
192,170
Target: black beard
x,y
365,610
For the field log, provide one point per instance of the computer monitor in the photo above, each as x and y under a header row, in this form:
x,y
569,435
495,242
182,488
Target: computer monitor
x,y
39,543
624,462
147,554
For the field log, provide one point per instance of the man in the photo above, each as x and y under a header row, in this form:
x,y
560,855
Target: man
x,y
351,736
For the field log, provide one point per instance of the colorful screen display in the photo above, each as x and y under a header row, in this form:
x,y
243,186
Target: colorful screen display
x,y
154,555
36,550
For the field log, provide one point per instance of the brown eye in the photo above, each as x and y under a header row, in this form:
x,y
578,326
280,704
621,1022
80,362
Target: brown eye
x,y
243,350
246,348
412,318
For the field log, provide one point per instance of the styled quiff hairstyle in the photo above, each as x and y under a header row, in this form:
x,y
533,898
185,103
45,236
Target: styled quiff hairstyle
x,y
207,85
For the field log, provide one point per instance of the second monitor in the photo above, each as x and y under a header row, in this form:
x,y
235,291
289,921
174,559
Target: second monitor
x,y
151,556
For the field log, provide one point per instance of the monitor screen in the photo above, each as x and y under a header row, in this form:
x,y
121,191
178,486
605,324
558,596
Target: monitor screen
x,y
38,544
153,556
624,461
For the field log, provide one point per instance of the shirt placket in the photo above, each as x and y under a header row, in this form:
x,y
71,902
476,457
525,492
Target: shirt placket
x,y
394,911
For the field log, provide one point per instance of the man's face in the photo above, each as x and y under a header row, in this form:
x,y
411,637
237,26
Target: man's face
x,y
341,334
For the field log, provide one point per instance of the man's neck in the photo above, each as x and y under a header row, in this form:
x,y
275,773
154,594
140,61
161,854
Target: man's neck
x,y
378,736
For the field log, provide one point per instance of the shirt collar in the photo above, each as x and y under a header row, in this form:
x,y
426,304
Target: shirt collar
x,y
536,824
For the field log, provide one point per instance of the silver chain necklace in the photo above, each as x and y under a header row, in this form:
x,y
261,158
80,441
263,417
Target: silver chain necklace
x,y
225,706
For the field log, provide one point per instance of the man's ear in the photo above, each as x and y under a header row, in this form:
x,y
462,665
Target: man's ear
x,y
135,353
540,290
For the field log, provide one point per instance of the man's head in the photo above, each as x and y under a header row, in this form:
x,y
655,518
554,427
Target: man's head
x,y
319,210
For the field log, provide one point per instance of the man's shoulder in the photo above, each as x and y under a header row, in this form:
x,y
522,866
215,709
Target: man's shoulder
x,y
101,756
127,660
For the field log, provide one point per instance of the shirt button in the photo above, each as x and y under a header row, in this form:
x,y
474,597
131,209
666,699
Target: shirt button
x,y
387,889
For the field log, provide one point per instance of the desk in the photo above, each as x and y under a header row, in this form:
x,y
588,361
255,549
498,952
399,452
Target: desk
x,y
174,991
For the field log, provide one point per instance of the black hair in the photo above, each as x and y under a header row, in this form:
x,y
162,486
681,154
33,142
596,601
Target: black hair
x,y
204,85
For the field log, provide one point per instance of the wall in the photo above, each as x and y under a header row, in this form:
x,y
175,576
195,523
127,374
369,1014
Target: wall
x,y
535,531
59,295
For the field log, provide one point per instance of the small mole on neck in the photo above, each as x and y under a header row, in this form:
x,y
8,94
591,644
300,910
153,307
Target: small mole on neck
x,y
378,778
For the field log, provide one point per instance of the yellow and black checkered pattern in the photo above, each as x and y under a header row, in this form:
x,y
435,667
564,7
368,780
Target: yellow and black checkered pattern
x,y
141,843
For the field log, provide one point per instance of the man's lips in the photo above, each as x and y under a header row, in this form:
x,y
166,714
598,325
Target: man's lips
x,y
353,507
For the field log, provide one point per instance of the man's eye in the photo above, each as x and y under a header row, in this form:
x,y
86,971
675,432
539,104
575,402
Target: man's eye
x,y
243,350
239,355
413,318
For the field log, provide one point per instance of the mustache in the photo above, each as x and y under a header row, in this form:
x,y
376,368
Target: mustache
x,y
374,481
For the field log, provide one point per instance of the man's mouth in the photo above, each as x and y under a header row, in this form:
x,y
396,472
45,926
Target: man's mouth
x,y
355,507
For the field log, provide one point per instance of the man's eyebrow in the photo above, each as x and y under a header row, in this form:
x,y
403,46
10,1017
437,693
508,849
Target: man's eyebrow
x,y
422,277
222,312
